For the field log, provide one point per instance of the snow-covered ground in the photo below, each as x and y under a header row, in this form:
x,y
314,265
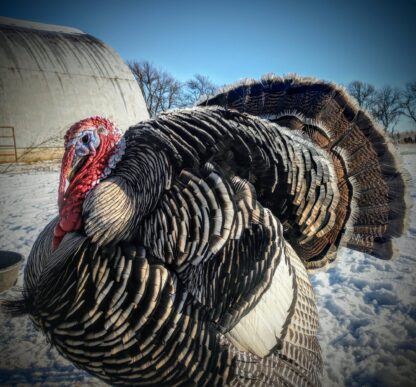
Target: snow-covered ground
x,y
367,310
367,307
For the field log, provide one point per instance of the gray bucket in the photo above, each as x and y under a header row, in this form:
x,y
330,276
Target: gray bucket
x,y
9,268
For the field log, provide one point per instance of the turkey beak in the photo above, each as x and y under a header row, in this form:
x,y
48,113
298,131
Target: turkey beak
x,y
66,167
76,166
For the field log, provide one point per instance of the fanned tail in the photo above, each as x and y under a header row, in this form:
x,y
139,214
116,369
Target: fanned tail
x,y
372,192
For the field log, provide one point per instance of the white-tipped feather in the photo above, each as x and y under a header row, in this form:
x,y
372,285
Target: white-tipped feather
x,y
262,328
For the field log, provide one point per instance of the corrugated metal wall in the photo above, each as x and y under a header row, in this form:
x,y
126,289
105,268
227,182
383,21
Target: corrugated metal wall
x,y
51,77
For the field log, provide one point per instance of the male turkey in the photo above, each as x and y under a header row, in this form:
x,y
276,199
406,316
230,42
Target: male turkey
x,y
185,265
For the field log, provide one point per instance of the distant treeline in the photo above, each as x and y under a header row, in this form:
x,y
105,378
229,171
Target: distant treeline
x,y
386,104
408,137
162,91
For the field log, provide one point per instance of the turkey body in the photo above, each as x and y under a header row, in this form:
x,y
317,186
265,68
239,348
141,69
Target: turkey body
x,y
191,265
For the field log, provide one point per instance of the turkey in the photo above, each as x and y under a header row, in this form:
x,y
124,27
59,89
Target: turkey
x,y
180,252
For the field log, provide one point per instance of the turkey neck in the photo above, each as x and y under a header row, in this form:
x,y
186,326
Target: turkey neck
x,y
146,169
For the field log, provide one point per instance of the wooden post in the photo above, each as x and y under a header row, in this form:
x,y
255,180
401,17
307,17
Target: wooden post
x,y
9,146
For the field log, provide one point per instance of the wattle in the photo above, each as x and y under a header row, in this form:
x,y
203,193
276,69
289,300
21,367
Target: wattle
x,y
97,167
70,213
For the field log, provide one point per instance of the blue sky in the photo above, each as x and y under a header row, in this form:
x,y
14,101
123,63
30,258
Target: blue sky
x,y
374,41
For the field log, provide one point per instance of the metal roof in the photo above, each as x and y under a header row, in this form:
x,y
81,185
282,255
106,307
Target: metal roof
x,y
52,76
41,47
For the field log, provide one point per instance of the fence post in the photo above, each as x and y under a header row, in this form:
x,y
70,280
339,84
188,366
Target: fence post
x,y
2,146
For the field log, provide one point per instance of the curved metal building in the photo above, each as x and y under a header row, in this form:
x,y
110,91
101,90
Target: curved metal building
x,y
52,76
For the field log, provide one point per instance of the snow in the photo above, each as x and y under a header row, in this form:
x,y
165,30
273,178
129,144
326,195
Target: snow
x,y
367,312
28,197
367,306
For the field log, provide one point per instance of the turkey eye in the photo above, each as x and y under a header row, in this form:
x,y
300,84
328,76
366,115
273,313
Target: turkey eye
x,y
85,139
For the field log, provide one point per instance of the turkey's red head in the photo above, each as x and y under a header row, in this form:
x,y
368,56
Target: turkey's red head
x,y
89,145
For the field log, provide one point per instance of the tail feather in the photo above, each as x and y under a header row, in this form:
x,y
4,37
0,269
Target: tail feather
x,y
373,203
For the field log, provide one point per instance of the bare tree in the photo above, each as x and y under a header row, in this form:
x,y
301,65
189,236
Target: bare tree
x,y
160,90
409,101
387,107
198,87
363,92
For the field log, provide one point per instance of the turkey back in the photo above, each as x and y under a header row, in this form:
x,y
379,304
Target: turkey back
x,y
372,186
